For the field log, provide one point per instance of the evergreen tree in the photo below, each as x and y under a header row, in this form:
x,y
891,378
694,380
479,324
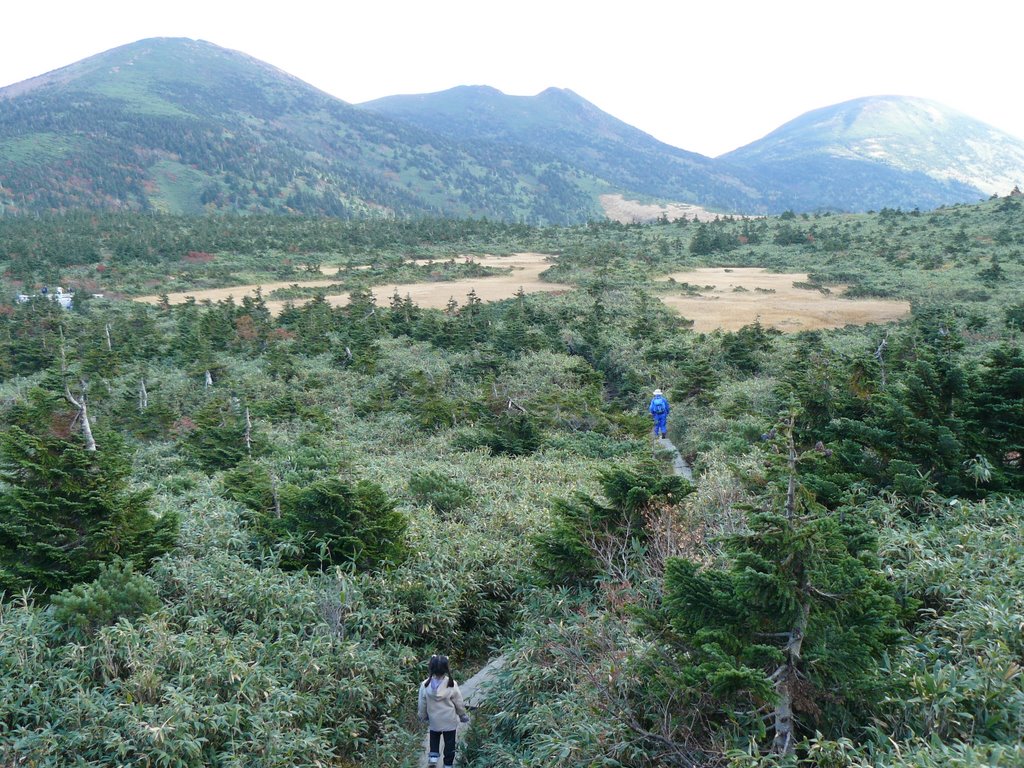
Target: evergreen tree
x,y
222,436
588,532
331,522
64,510
996,415
795,623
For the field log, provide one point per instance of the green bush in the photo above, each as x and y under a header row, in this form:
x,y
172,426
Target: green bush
x,y
217,438
65,510
507,434
586,530
118,592
444,494
331,522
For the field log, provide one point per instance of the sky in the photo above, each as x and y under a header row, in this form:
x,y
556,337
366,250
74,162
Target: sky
x,y
705,76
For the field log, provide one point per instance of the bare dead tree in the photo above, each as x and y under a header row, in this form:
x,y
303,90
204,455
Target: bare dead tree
x,y
63,358
791,489
248,432
82,416
880,356
276,495
611,549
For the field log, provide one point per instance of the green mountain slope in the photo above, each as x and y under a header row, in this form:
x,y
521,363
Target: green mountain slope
x,y
563,123
186,126
865,154
884,151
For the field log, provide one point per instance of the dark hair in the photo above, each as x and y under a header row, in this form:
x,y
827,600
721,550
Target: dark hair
x,y
438,667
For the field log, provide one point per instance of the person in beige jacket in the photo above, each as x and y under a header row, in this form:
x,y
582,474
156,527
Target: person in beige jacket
x,y
441,707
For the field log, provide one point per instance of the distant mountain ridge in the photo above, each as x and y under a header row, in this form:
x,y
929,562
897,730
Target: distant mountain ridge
x,y
565,124
185,126
917,151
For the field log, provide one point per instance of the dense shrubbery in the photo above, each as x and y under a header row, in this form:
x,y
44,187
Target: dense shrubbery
x,y
360,487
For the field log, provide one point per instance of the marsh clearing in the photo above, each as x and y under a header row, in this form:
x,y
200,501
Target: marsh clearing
x,y
525,274
618,208
729,298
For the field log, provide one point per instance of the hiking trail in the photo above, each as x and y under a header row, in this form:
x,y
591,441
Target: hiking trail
x,y
679,465
474,689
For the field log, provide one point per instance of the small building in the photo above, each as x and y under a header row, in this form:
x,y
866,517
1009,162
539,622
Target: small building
x,y
58,295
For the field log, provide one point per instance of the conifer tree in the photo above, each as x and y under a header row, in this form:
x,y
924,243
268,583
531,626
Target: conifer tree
x,y
332,522
222,437
590,532
796,623
65,510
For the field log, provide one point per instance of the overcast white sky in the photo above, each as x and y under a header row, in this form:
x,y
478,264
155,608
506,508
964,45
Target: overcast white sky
x,y
704,76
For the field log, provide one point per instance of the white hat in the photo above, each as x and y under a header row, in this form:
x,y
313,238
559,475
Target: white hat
x,y
657,391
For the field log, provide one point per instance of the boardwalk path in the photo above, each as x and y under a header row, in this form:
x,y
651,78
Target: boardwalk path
x,y
474,689
679,465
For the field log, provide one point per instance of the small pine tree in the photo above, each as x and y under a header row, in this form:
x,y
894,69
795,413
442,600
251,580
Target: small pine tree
x,y
797,621
64,510
221,438
590,532
118,592
331,522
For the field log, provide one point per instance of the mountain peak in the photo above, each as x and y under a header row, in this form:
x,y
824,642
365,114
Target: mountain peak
x,y
184,125
167,59
902,133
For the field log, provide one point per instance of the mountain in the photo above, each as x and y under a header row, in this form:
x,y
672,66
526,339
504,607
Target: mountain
x,y
870,153
186,126
883,151
568,126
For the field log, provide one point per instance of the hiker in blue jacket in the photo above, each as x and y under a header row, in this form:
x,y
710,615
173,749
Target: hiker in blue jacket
x,y
659,410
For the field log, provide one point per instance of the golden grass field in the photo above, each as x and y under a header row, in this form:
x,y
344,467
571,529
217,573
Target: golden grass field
x,y
736,297
734,301
525,274
618,208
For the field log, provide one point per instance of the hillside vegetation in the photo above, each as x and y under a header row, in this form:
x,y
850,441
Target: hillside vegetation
x,y
285,516
182,126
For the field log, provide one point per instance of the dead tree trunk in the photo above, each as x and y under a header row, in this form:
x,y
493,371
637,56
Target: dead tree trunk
x,y
880,357
787,678
248,432
791,489
63,357
277,496
82,416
